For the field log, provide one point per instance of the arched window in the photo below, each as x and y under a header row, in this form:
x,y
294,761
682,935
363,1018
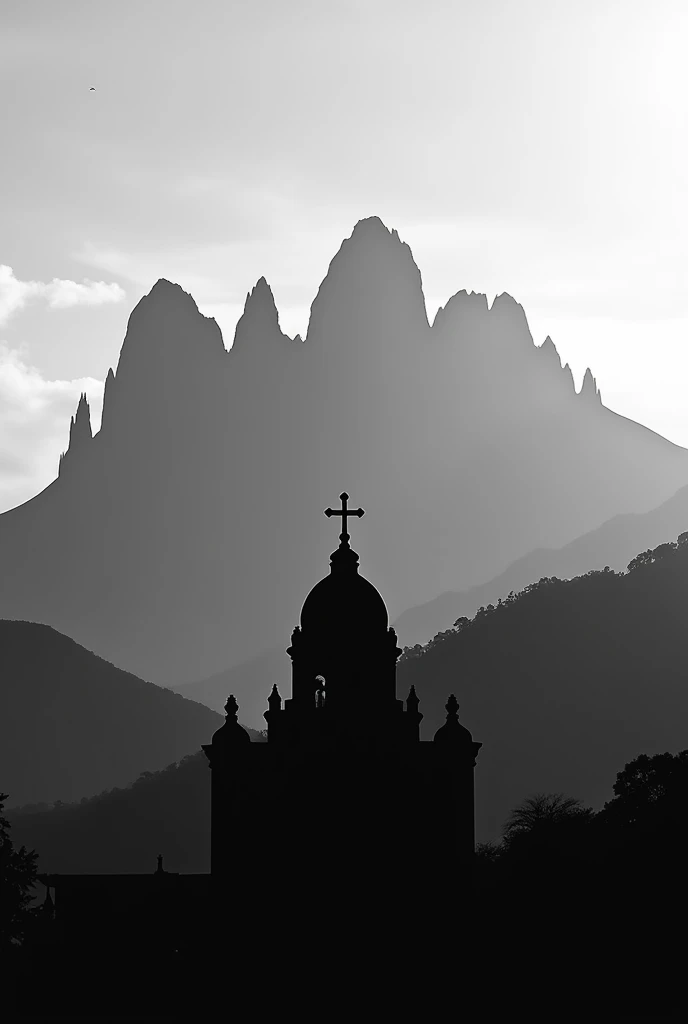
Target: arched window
x,y
320,691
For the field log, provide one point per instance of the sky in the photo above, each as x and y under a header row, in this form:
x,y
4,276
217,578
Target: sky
x,y
536,147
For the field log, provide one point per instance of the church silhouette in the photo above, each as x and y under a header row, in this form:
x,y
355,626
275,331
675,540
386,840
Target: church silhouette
x,y
345,823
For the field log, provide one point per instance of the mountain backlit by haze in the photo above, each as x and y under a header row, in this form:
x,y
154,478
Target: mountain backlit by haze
x,y
72,725
563,685
184,536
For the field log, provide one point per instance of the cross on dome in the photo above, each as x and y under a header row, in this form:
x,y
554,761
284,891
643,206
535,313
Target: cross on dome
x,y
344,512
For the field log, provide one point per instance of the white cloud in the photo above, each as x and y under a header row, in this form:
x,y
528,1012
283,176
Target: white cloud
x,y
59,294
34,424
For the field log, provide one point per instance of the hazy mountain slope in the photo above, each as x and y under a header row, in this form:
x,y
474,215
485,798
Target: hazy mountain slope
x,y
123,830
185,535
72,725
614,544
565,684
250,682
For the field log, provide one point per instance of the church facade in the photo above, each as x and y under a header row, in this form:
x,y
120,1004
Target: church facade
x,y
345,819
345,804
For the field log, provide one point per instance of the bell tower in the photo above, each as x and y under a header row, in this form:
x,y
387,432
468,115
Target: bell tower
x,y
343,653
345,795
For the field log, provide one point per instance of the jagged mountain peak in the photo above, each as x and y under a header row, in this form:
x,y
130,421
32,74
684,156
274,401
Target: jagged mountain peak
x,y
166,325
549,350
589,390
375,263
80,432
260,301
167,301
372,231
107,395
163,288
260,320
370,224
507,307
459,303
194,532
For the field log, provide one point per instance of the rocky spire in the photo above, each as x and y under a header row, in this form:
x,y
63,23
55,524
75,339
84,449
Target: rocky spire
x,y
569,376
548,351
260,317
372,271
80,433
167,336
108,397
589,392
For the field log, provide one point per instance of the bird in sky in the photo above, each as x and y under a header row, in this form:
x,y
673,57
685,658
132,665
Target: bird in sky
x,y
92,89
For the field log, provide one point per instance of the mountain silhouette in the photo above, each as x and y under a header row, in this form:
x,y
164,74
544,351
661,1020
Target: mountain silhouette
x,y
565,682
122,830
182,538
614,544
72,725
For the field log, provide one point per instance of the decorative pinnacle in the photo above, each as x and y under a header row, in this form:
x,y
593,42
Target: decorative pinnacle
x,y
231,707
412,699
452,707
274,700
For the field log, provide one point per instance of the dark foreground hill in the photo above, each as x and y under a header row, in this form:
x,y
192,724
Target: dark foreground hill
x,y
124,830
565,681
72,725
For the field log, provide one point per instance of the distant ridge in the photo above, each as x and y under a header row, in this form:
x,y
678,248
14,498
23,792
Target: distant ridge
x,y
614,544
72,725
183,537
564,683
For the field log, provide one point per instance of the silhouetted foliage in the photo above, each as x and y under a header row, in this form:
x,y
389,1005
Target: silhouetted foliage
x,y
649,789
123,829
17,877
576,670
541,814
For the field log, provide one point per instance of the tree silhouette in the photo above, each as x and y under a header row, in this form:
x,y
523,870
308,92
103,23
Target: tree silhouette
x,y
543,811
17,877
545,825
649,788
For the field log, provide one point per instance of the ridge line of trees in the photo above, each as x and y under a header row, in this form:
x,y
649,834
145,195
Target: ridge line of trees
x,y
641,560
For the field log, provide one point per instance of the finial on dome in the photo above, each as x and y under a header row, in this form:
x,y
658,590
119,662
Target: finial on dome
x,y
413,715
344,512
452,733
344,557
231,707
452,707
231,732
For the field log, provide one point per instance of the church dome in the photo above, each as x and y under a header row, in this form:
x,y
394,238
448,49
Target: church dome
x,y
452,733
344,600
230,734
